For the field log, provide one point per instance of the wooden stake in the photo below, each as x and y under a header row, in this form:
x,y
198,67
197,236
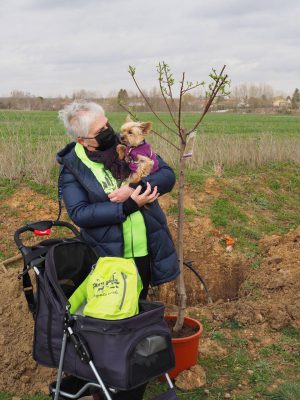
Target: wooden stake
x,y
3,267
9,261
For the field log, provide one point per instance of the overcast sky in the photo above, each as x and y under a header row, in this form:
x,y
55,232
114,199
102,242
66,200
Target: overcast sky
x,y
54,47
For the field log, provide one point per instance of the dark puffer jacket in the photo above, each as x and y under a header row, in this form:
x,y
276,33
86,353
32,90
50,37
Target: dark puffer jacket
x,y
101,220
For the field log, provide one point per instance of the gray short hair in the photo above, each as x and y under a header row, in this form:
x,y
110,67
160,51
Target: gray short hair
x,y
78,116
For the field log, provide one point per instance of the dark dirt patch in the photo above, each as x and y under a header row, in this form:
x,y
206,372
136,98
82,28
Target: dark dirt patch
x,y
186,331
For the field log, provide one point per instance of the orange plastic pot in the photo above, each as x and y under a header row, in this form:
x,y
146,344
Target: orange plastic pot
x,y
186,348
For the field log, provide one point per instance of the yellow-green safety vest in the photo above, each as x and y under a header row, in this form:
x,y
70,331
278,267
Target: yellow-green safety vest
x,y
111,291
134,229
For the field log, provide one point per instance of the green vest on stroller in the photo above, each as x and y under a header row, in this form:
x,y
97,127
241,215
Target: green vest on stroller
x,y
111,291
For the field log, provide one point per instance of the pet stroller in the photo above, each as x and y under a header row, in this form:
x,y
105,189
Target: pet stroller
x,y
105,355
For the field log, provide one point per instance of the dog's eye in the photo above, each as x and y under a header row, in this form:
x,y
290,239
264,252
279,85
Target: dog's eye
x,y
130,132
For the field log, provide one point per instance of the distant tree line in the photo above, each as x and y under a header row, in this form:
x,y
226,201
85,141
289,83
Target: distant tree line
x,y
243,97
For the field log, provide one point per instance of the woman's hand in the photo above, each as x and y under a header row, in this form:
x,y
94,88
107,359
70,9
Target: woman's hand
x,y
120,195
146,197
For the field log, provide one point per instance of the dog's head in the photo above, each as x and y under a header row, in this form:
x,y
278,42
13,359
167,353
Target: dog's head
x,y
134,133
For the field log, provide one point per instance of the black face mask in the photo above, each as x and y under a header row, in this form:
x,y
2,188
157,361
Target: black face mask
x,y
106,139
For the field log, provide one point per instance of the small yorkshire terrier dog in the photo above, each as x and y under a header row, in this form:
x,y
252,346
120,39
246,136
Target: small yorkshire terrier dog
x,y
137,153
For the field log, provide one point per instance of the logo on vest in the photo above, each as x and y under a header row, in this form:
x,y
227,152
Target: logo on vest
x,y
106,287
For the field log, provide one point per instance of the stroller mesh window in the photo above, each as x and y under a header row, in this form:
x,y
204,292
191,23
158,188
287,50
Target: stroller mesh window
x,y
150,357
73,262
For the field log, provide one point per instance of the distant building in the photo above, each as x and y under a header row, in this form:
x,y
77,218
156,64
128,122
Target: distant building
x,y
281,102
137,103
243,103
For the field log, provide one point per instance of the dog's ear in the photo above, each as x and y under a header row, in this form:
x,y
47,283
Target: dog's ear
x,y
128,118
146,127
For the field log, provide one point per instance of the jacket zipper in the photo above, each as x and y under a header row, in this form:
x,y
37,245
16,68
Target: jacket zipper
x,y
148,248
131,234
124,276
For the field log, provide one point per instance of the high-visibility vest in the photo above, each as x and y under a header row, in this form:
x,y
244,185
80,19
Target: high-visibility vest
x,y
111,291
134,229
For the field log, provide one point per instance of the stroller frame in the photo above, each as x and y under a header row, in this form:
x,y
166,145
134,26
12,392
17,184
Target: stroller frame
x,y
85,357
32,261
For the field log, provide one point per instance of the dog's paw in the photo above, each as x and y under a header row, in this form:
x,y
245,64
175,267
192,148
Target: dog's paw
x,y
121,151
134,178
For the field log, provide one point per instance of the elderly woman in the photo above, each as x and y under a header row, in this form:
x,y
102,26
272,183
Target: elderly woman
x,y
117,220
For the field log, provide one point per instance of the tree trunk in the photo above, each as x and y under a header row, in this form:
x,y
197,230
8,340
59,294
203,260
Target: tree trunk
x,y
181,292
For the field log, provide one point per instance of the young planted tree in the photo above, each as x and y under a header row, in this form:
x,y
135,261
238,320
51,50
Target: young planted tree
x,y
218,85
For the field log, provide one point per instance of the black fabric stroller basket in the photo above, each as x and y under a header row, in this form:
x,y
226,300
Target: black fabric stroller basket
x,y
127,353
109,356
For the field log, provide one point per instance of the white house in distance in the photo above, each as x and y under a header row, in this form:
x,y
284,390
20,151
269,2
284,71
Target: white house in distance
x,y
281,102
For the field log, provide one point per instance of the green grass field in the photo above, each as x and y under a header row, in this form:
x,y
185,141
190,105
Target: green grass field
x,y
43,122
222,139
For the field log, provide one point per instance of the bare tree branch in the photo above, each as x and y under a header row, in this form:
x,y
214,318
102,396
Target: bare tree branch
x,y
207,107
180,104
169,85
214,92
167,104
150,106
192,87
217,81
172,144
128,110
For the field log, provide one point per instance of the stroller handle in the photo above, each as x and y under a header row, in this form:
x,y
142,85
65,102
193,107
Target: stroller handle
x,y
41,225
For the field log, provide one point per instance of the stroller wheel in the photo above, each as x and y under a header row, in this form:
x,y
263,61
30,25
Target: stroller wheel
x,y
71,385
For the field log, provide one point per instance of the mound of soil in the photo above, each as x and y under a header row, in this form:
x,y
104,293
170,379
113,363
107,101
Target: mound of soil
x,y
19,373
270,296
223,271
